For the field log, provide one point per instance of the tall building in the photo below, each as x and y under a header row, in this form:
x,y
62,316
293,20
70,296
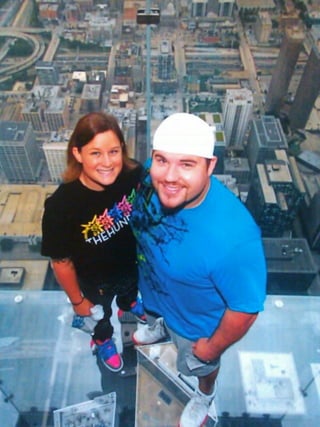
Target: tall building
x,y
49,12
308,89
47,73
290,265
237,113
84,5
289,52
311,221
238,167
56,114
170,11
32,111
72,13
91,98
46,109
55,151
199,8
263,27
100,29
265,136
223,7
193,83
20,157
276,194
216,122
166,66
127,118
164,77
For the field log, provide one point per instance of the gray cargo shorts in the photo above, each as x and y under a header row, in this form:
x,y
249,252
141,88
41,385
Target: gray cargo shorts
x,y
187,363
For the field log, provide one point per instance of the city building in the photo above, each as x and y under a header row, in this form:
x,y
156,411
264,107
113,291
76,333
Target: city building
x,y
166,61
47,73
97,76
72,13
119,96
127,118
237,115
214,68
55,151
11,111
100,29
276,194
290,17
128,66
263,27
164,76
238,167
22,209
169,11
31,111
291,46
255,5
84,5
291,268
221,7
49,12
308,89
46,109
193,83
310,219
216,122
265,136
20,156
91,97
199,8
56,115
129,16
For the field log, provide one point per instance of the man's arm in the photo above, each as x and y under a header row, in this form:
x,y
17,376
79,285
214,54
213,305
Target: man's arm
x,y
66,276
233,326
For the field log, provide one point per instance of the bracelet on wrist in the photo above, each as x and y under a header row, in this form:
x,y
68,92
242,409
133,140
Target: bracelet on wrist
x,y
77,303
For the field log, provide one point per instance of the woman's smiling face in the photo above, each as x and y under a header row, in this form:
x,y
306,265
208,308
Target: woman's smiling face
x,y
101,160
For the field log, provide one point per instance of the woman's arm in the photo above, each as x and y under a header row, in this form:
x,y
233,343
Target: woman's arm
x,y
66,276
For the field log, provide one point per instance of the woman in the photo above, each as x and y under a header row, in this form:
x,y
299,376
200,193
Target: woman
x,y
86,230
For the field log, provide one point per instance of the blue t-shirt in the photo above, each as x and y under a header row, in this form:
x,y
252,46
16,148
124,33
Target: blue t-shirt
x,y
194,263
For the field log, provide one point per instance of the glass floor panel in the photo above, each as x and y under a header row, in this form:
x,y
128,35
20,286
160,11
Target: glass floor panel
x,y
269,378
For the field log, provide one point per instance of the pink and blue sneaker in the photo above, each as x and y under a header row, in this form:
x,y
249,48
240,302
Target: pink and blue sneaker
x,y
107,352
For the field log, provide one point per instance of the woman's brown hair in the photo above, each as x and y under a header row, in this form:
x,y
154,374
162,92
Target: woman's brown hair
x,y
86,129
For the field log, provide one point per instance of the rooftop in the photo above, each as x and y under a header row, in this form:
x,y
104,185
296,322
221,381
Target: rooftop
x,y
21,208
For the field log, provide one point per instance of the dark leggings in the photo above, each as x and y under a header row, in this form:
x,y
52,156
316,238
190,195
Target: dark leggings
x,y
104,296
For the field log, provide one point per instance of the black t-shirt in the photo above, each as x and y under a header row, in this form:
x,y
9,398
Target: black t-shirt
x,y
92,228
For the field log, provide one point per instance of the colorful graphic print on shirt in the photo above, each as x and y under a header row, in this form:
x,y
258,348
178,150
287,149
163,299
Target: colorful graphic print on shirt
x,y
102,227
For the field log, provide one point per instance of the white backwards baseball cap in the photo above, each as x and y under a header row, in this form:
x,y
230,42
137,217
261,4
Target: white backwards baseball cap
x,y
184,133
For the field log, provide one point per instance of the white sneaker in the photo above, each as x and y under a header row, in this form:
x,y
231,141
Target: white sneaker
x,y
150,334
212,413
197,411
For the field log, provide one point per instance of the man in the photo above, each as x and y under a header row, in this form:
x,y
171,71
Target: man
x,y
201,262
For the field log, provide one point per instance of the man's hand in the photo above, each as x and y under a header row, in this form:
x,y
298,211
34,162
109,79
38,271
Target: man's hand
x,y
233,326
203,351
